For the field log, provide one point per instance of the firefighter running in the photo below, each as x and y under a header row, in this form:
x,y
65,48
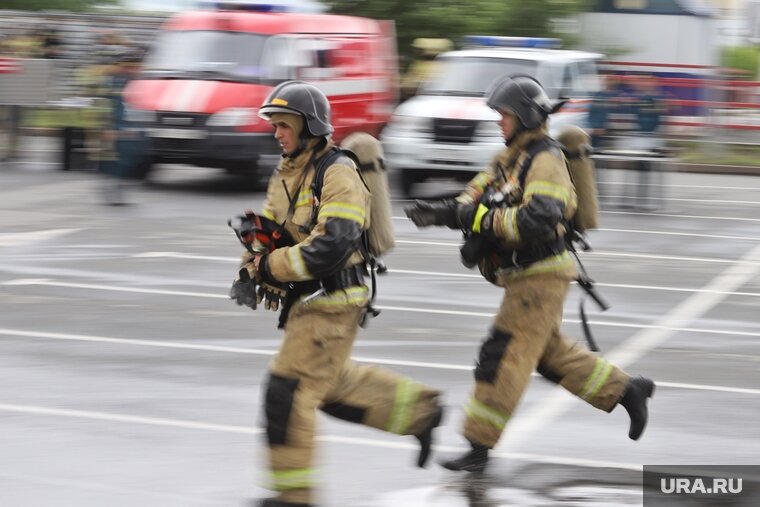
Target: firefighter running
x,y
523,239
322,280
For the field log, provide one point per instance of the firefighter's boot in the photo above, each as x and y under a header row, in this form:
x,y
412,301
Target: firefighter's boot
x,y
473,461
426,437
634,401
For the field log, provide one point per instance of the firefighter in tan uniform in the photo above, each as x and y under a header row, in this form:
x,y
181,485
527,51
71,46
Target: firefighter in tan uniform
x,y
527,256
322,278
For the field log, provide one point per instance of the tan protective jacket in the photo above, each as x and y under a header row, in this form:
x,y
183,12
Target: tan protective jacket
x,y
342,214
533,213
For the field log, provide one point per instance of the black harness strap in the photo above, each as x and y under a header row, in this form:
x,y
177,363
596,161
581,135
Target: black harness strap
x,y
584,281
321,165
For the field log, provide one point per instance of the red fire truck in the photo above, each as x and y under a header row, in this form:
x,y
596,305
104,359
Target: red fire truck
x,y
209,70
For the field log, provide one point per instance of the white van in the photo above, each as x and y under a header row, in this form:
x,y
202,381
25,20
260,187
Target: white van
x,y
446,130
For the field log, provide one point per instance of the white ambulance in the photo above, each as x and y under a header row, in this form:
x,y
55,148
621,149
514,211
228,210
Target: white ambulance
x,y
446,130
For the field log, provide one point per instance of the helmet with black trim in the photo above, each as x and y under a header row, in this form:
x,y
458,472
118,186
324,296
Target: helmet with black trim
x,y
298,97
523,96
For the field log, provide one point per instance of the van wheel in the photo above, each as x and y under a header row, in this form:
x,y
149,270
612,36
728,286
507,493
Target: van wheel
x,y
141,170
408,179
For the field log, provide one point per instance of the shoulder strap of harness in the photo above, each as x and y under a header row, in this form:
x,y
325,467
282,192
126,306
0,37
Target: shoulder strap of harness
x,y
533,149
324,162
333,156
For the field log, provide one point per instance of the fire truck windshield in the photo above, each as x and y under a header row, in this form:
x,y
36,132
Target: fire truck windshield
x,y
208,55
471,76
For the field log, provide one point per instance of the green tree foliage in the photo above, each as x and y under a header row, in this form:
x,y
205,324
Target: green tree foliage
x,y
454,18
742,58
60,5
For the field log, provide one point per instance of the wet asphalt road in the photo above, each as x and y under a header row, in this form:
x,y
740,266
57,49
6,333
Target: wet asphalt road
x,y
128,379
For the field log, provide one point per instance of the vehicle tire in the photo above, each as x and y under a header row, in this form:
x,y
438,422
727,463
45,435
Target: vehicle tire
x,y
140,170
408,179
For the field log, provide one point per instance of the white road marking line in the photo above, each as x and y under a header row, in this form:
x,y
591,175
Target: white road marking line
x,y
113,288
52,283
177,255
264,352
673,233
221,428
37,237
547,410
687,199
673,215
106,416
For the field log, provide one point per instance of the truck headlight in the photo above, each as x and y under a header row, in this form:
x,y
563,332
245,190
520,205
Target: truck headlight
x,y
233,117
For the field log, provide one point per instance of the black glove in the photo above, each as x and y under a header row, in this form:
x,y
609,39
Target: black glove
x,y
272,294
243,290
424,213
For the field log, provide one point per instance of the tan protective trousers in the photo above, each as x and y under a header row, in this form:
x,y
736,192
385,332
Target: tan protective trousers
x,y
526,337
313,370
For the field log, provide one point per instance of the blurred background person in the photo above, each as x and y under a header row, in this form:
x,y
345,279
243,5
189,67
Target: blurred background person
x,y
648,107
424,65
122,145
599,113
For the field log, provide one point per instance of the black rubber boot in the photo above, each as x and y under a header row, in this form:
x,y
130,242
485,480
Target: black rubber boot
x,y
473,461
634,401
273,502
426,437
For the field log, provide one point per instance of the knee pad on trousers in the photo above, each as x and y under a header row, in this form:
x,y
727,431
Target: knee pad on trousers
x,y
548,374
345,412
491,353
278,405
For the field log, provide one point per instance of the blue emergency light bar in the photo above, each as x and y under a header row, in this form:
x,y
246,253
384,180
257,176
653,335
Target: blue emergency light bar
x,y
243,5
512,42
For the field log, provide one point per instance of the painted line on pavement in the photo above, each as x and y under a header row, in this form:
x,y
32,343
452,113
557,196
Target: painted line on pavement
x,y
267,352
177,255
244,430
52,283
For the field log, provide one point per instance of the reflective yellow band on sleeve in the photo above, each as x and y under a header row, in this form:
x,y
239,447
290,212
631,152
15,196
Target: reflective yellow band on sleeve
x,y
481,181
479,214
407,393
297,263
343,210
511,232
549,189
481,412
268,214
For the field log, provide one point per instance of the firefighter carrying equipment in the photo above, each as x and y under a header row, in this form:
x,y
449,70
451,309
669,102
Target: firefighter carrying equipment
x,y
363,152
370,160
